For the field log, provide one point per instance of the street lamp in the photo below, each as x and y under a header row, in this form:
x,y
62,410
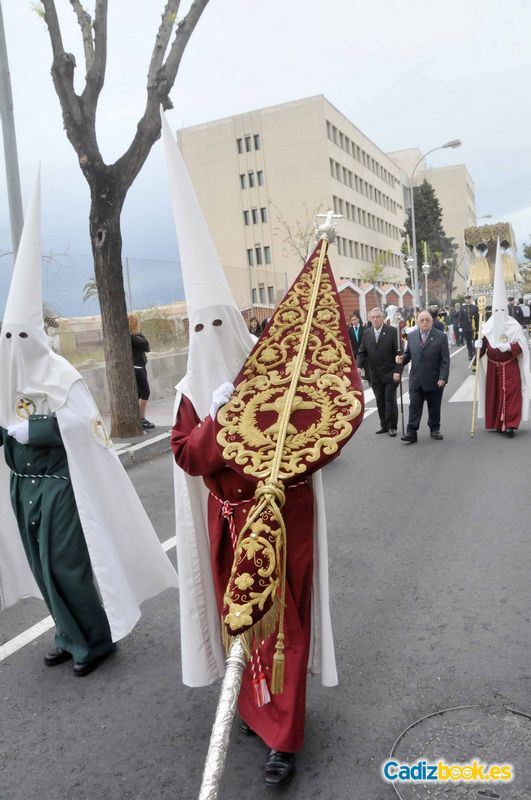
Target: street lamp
x,y
453,143
426,271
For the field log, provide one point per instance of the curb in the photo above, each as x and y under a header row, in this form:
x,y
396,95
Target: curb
x,y
143,451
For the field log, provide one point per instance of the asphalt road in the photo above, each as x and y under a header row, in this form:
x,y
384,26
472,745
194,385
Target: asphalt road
x,y
430,558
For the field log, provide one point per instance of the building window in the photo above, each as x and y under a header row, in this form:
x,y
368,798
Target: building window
x,y
250,257
261,291
338,171
251,179
256,138
258,252
334,134
263,214
271,295
328,130
331,167
339,245
243,182
248,144
239,145
254,212
245,217
356,250
254,296
267,254
260,177
350,251
340,206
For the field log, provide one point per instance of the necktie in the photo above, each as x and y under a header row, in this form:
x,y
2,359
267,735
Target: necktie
x,y
423,337
376,335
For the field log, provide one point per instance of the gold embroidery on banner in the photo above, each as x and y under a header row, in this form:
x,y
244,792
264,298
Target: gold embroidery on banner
x,y
324,391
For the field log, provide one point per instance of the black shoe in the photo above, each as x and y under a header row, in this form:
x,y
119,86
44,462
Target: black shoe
x,y
279,768
381,430
146,424
392,431
409,438
436,435
511,432
81,669
57,657
246,729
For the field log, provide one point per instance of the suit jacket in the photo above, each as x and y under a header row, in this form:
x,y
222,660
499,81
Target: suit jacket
x,y
430,363
379,356
469,318
356,342
516,312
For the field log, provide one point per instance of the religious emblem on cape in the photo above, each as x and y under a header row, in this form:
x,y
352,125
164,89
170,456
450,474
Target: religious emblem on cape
x,y
298,399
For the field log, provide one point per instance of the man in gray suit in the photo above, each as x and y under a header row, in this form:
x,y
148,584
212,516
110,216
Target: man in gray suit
x,y
430,366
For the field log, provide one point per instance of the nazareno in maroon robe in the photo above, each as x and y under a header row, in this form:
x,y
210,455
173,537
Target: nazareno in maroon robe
x,y
503,394
279,723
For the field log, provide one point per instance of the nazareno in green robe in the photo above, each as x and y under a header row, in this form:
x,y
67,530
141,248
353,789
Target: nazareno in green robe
x,y
45,509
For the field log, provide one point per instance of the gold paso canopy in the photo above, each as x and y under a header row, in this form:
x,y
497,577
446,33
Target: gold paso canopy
x,y
298,399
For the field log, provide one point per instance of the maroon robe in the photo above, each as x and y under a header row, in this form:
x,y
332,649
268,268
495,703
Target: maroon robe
x,y
503,396
280,723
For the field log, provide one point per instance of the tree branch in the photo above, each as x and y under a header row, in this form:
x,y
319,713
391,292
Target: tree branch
x,y
63,67
185,29
85,23
96,74
148,129
169,17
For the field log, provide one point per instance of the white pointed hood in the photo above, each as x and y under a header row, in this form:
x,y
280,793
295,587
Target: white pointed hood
x,y
500,323
219,339
34,379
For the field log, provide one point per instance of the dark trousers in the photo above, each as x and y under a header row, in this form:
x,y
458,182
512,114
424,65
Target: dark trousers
x,y
467,335
385,394
416,401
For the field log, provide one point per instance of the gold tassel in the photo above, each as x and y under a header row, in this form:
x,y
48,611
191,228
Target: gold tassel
x,y
277,676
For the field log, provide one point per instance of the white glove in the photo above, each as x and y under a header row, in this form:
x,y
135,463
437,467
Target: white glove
x,y
20,432
220,396
478,344
503,347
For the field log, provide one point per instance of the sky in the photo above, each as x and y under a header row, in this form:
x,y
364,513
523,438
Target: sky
x,y
408,73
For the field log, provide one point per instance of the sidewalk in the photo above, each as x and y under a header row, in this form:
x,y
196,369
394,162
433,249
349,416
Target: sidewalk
x,y
154,441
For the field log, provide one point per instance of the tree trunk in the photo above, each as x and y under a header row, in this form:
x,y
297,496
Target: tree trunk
x,y
106,239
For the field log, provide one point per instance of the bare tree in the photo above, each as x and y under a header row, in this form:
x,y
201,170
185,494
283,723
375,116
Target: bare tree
x,y
297,236
109,183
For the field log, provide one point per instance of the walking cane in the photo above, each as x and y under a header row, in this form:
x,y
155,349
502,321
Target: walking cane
x,y
482,305
401,392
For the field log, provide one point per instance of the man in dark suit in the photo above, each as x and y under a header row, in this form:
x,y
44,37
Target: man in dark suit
x,y
515,311
355,332
430,366
379,347
469,324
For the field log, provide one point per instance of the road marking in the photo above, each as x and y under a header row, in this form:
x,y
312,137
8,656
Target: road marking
x,y
26,637
465,393
29,635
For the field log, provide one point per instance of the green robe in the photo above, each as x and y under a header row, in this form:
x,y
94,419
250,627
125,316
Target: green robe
x,y
45,508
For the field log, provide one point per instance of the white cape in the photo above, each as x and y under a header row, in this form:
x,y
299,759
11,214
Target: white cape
x,y
127,559
202,654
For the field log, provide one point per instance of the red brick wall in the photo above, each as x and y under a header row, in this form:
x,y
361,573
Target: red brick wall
x,y
350,301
